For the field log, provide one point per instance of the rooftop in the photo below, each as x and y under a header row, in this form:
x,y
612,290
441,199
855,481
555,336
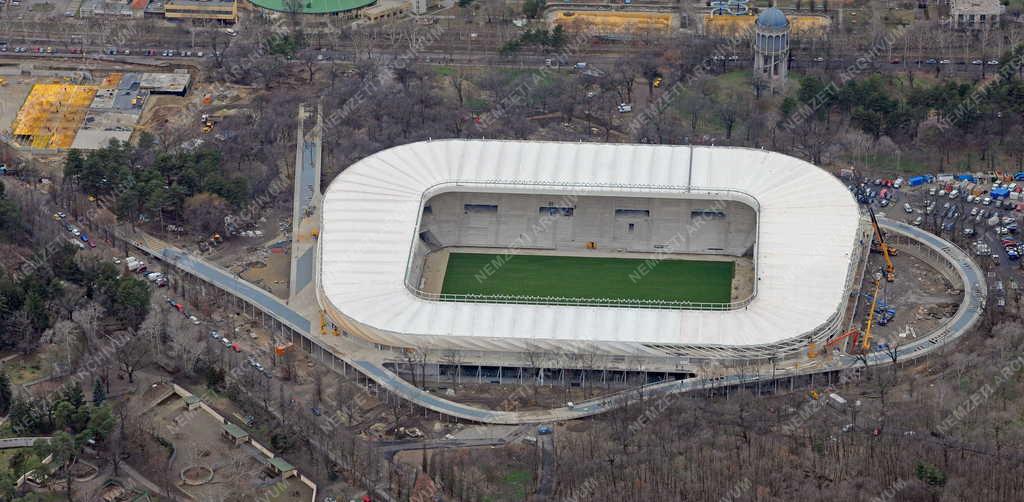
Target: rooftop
x,y
772,18
987,7
175,82
808,230
281,464
235,431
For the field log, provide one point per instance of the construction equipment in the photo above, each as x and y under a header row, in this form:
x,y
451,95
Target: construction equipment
x,y
866,344
280,350
853,335
207,121
890,270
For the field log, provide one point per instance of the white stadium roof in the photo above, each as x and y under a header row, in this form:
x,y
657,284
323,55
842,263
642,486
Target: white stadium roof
x,y
808,229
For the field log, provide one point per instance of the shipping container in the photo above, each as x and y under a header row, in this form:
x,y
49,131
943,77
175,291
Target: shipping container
x,y
916,180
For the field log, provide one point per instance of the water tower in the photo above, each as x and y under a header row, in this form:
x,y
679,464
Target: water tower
x,y
771,45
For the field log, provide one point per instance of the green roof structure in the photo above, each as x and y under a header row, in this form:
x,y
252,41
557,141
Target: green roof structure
x,y
235,431
281,465
313,6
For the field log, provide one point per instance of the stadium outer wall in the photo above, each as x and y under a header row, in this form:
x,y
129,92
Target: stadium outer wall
x,y
568,353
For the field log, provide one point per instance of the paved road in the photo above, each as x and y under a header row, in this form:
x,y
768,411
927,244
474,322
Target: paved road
x,y
546,481
967,315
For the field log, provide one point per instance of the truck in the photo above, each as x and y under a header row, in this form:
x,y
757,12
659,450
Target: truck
x,y
135,265
837,399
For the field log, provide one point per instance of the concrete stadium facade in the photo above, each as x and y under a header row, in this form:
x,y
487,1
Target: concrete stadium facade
x,y
797,224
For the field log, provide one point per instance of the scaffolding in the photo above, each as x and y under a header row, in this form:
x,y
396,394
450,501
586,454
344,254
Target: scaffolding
x,y
52,114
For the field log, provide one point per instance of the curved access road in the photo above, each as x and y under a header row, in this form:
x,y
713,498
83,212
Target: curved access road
x,y
967,315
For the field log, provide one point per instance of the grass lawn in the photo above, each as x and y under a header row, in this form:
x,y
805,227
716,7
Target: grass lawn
x,y
24,369
518,481
582,277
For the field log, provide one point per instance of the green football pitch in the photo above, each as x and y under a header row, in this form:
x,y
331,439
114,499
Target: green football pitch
x,y
589,278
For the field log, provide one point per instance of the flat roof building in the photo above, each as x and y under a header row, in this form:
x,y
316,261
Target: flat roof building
x,y
166,83
235,434
976,14
215,10
386,9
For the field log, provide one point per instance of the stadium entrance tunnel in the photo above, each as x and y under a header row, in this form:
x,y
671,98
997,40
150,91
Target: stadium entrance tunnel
x,y
565,248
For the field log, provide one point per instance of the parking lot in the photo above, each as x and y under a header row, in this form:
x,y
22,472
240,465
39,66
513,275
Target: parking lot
x,y
983,223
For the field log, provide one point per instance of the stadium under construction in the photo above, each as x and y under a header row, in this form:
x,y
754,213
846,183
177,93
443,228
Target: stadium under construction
x,y
614,243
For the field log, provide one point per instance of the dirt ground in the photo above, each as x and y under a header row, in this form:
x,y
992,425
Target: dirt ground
x,y
12,96
922,298
271,275
197,440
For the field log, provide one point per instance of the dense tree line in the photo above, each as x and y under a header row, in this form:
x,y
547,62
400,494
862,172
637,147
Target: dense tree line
x,y
140,180
32,303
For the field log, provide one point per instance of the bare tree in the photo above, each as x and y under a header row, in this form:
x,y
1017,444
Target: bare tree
x,y
134,354
453,358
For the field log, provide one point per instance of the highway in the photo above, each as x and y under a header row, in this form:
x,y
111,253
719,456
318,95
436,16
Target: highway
x,y
966,317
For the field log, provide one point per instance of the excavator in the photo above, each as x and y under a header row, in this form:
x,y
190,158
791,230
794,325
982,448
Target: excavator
x,y
890,270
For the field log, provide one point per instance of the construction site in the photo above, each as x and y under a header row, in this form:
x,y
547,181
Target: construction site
x,y
613,22
726,25
901,297
60,110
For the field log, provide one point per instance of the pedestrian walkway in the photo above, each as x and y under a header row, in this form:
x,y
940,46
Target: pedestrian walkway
x,y
370,362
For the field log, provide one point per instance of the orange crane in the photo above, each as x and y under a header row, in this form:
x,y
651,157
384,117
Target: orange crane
x,y
855,334
890,270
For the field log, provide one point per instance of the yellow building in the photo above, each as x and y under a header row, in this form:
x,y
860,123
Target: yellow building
x,y
218,10
386,9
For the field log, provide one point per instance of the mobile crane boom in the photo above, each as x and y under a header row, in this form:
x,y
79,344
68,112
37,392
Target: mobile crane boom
x,y
890,270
